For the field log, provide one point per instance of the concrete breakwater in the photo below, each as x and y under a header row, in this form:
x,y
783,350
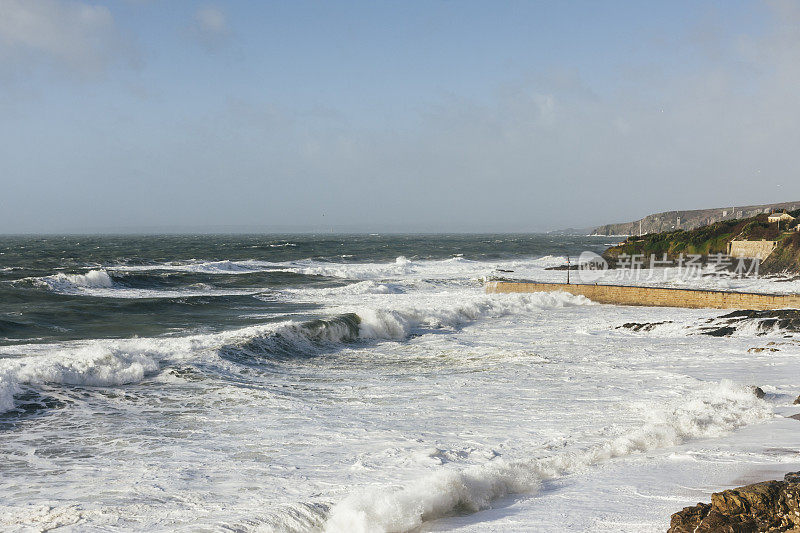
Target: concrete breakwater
x,y
656,296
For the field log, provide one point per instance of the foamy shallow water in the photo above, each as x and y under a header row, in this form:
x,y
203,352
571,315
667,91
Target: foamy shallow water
x,y
438,408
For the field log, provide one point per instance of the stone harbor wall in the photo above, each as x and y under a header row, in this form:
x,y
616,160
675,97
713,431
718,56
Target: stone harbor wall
x,y
656,296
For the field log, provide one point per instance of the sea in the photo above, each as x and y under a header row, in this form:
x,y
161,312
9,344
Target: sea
x,y
367,383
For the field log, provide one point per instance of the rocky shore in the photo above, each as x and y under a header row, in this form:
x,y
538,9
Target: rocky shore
x,y
761,507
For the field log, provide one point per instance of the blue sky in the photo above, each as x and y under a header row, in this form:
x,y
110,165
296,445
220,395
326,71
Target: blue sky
x,y
402,116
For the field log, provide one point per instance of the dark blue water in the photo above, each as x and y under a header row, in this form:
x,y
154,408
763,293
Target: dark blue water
x,y
171,284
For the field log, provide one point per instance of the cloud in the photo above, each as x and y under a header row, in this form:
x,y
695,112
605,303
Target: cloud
x,y
689,123
554,150
210,27
75,36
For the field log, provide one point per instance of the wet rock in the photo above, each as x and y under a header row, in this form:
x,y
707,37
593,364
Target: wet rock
x,y
758,391
787,320
759,350
767,506
642,326
797,400
725,331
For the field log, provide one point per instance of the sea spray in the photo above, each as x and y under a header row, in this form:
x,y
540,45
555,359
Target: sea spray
x,y
70,282
116,362
390,372
712,410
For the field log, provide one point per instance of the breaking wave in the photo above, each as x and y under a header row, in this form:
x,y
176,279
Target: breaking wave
x,y
94,279
136,284
87,366
399,268
711,411
118,362
203,267
308,338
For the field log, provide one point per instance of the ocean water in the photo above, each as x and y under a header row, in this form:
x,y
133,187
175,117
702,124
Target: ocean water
x,y
366,384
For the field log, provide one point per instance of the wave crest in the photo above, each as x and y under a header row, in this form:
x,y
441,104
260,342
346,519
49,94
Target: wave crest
x,y
94,366
120,362
712,410
94,279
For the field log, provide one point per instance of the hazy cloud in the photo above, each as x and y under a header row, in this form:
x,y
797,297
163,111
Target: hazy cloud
x,y
76,36
551,151
711,123
210,27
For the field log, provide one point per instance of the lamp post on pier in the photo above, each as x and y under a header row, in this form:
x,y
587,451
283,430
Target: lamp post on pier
x,y
567,269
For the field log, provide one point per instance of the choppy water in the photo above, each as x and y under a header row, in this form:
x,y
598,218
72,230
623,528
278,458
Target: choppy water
x,y
360,383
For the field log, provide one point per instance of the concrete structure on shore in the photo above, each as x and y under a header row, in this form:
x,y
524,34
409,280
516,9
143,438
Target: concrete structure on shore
x,y
656,296
751,249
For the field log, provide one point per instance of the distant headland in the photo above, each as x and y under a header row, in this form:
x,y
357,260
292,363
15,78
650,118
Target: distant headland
x,y
687,220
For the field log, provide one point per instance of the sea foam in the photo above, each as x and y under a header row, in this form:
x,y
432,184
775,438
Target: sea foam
x,y
69,282
712,410
117,362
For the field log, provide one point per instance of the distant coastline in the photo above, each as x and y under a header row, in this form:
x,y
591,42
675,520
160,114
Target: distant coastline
x,y
688,220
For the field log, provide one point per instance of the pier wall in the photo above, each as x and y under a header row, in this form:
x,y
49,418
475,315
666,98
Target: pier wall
x,y
656,296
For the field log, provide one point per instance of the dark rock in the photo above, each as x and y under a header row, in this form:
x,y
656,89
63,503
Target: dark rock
x,y
759,350
642,326
787,320
688,519
797,400
758,391
767,506
726,331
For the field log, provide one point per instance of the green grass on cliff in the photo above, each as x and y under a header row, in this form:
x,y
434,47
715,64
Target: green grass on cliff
x,y
786,257
713,239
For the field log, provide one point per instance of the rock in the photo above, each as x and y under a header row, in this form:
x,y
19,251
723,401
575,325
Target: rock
x,y
797,400
758,391
725,331
759,350
783,320
767,506
643,326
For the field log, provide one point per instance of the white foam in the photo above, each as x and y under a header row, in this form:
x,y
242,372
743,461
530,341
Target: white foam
x,y
398,322
117,362
70,282
713,410
9,386
203,267
98,283
440,399
358,288
532,268
107,363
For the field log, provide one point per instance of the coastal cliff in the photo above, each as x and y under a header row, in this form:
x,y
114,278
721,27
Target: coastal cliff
x,y
691,219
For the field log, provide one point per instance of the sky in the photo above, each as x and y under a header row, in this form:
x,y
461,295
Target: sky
x,y
406,116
